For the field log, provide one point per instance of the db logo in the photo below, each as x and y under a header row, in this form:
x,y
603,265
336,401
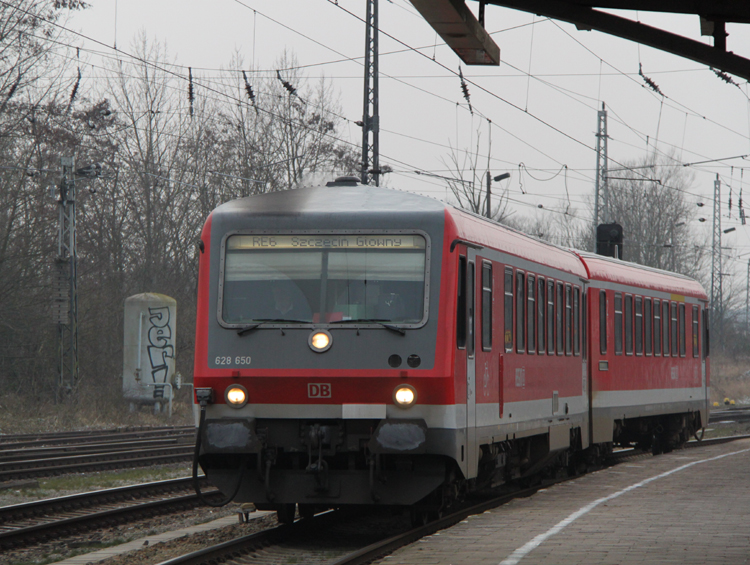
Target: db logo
x,y
318,390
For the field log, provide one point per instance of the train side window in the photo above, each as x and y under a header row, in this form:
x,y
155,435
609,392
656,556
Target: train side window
x,y
461,304
470,316
550,320
486,306
648,324
531,313
508,314
683,348
673,329
706,334
603,322
696,329
568,320
665,326
541,307
618,323
520,311
576,321
628,324
559,313
657,327
638,325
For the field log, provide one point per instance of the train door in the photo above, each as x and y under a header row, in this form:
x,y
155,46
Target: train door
x,y
472,456
584,330
704,356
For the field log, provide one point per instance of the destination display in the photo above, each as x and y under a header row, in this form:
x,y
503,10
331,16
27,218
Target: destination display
x,y
276,242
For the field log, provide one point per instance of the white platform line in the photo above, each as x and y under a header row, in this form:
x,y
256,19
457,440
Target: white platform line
x,y
524,550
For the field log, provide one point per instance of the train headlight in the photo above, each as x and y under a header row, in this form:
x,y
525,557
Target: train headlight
x,y
320,341
236,396
404,396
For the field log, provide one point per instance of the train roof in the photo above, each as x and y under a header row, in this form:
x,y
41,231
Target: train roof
x,y
334,200
608,269
479,229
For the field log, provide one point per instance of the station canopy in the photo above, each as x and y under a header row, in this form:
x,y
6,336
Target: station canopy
x,y
464,32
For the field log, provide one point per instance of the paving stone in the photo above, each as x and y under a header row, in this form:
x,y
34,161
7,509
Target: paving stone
x,y
699,515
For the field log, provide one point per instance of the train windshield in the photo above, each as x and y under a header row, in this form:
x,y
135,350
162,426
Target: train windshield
x,y
324,278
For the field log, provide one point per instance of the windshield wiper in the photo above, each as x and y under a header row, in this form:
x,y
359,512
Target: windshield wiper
x,y
378,321
260,322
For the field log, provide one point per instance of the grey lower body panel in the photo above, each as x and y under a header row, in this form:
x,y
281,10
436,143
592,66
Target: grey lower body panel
x,y
604,417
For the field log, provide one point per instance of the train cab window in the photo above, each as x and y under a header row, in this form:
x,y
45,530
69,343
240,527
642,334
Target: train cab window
x,y
541,308
657,327
603,322
673,329
696,329
648,324
520,311
461,304
486,306
638,325
470,315
618,323
559,313
568,320
576,321
628,324
665,326
550,319
508,307
324,279
683,348
531,313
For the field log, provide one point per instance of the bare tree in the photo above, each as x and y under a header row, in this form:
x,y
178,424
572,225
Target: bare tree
x,y
651,200
30,69
468,184
304,137
560,225
169,162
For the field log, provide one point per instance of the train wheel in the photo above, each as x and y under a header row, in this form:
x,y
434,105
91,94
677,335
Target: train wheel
x,y
419,518
285,513
657,446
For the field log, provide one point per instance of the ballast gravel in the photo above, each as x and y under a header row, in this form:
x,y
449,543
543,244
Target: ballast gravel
x,y
94,540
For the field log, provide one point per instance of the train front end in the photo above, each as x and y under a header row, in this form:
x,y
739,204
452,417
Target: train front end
x,y
319,366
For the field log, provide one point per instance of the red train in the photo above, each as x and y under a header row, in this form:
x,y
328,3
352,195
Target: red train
x,y
360,345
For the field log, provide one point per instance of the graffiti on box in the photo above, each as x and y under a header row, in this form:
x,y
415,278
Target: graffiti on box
x,y
160,348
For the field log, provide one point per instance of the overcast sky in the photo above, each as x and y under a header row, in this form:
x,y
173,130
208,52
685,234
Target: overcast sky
x,y
542,100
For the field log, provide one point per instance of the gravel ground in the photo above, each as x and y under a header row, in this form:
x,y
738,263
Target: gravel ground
x,y
154,554
59,549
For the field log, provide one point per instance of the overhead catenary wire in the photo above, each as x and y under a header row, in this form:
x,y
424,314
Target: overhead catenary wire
x,y
273,20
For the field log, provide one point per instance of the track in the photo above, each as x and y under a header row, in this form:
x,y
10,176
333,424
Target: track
x,y
330,538
129,432
739,414
32,522
23,457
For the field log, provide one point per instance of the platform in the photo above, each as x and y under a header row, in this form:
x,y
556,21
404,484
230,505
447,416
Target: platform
x,y
690,506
